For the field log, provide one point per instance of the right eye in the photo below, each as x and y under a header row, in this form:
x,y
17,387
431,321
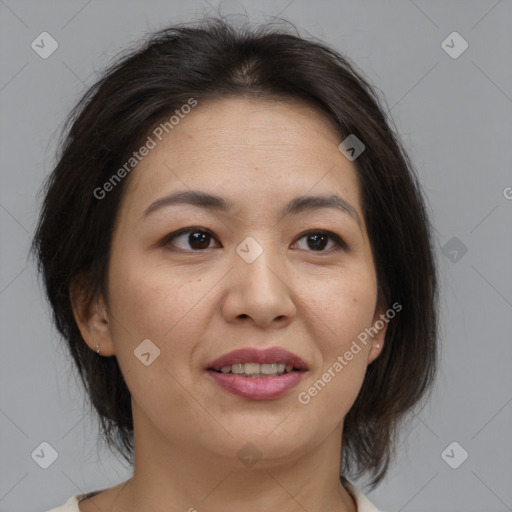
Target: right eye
x,y
195,239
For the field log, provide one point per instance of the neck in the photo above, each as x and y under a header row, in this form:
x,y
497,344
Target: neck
x,y
170,476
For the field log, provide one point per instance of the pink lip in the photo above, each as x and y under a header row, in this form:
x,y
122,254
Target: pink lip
x,y
258,388
254,355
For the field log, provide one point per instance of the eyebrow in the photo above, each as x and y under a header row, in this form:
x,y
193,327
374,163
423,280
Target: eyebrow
x,y
216,203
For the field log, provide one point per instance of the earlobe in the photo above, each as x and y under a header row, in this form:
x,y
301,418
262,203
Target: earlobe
x,y
92,319
379,329
375,351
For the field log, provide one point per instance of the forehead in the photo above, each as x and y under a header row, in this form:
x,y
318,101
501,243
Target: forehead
x,y
246,150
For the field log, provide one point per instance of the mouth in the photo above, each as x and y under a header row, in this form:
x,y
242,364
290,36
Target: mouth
x,y
258,374
252,362
257,370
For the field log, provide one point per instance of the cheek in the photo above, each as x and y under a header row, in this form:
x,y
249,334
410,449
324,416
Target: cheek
x,y
152,303
339,312
341,306
145,298
149,301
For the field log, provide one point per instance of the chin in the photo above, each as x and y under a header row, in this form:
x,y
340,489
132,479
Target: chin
x,y
276,444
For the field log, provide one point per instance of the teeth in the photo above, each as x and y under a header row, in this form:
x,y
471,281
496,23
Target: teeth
x,y
252,368
258,370
237,368
269,369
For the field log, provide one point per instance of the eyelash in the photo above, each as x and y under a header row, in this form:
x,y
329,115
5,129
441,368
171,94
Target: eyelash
x,y
337,239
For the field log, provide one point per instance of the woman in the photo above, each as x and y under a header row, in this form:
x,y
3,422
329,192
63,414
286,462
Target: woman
x,y
238,255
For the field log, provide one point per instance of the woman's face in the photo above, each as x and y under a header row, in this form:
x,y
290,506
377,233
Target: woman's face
x,y
251,275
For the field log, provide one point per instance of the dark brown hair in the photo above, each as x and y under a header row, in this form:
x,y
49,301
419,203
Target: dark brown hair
x,y
211,60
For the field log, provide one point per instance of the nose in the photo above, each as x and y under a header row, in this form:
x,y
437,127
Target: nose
x,y
259,292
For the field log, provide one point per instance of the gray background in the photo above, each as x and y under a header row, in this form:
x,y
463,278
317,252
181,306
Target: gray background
x,y
454,115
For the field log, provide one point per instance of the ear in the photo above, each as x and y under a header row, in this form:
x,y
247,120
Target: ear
x,y
378,333
91,316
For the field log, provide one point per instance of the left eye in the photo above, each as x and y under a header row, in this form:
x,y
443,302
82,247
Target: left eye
x,y
199,239
318,240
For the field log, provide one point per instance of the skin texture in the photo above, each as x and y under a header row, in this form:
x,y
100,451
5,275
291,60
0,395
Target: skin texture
x,y
197,305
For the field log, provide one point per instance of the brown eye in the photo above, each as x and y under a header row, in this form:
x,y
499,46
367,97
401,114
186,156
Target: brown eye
x,y
190,239
319,240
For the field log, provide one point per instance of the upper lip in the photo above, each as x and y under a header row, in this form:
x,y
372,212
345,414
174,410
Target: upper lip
x,y
254,355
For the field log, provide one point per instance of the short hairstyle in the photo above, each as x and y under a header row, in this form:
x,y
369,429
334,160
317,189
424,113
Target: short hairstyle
x,y
212,60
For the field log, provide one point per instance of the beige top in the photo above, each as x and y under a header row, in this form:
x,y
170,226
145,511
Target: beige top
x,y
362,502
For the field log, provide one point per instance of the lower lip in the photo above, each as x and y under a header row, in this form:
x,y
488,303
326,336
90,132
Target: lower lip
x,y
257,388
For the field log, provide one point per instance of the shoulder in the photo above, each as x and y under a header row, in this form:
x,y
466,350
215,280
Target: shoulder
x,y
71,505
362,502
